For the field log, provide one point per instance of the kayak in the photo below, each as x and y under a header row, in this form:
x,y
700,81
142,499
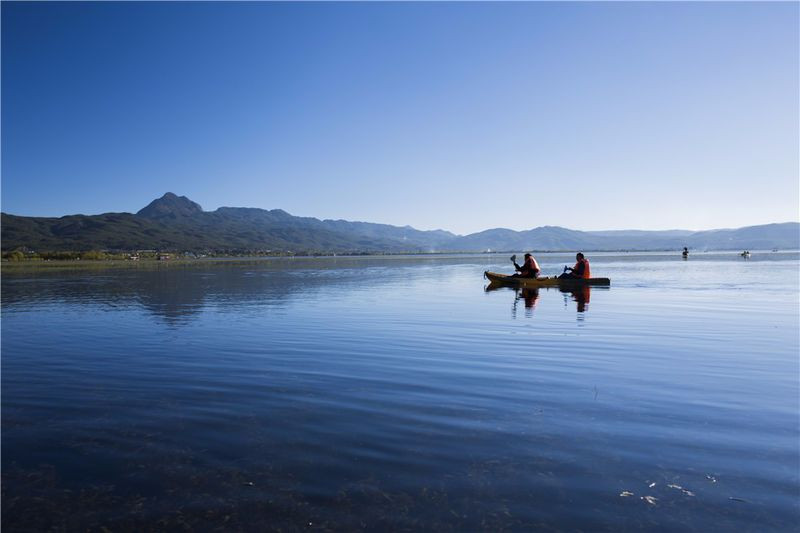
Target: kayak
x,y
505,279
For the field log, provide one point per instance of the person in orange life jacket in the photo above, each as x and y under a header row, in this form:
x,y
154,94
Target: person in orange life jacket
x,y
529,269
579,271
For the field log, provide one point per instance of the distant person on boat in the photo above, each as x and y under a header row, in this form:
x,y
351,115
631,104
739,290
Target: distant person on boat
x,y
685,253
581,269
529,269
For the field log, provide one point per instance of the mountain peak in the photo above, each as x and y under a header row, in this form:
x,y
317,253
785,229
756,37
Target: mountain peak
x,y
170,206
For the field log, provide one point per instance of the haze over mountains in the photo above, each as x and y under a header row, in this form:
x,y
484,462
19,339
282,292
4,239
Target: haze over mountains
x,y
176,223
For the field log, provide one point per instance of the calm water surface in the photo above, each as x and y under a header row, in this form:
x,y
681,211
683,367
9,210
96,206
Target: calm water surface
x,y
397,394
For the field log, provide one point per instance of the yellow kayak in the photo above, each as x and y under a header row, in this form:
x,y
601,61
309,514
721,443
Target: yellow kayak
x,y
505,279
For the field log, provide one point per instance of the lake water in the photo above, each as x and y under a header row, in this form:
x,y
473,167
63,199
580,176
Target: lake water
x,y
397,394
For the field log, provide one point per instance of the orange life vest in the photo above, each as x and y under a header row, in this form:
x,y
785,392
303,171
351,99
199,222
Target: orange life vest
x,y
587,273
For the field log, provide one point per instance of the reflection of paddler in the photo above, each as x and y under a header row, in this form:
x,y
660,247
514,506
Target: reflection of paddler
x,y
531,296
581,295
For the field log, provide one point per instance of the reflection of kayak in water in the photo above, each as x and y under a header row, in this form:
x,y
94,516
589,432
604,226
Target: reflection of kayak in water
x,y
504,279
580,292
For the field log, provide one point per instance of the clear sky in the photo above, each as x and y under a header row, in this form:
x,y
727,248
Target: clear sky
x,y
461,116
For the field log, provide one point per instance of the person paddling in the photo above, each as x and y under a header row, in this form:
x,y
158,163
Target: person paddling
x,y
579,271
529,269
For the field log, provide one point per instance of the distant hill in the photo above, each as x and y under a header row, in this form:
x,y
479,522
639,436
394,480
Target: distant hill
x,y
170,207
176,223
782,236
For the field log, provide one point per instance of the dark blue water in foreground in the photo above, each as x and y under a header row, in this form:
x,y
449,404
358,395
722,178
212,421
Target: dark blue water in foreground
x,y
396,394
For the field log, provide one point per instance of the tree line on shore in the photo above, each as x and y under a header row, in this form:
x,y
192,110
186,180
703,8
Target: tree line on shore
x,y
21,255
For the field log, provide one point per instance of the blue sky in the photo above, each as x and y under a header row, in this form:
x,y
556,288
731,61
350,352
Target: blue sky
x,y
461,116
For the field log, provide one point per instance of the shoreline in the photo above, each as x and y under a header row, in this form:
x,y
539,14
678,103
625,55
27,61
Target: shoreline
x,y
89,264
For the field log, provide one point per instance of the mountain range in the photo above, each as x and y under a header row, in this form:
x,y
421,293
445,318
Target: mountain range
x,y
176,223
